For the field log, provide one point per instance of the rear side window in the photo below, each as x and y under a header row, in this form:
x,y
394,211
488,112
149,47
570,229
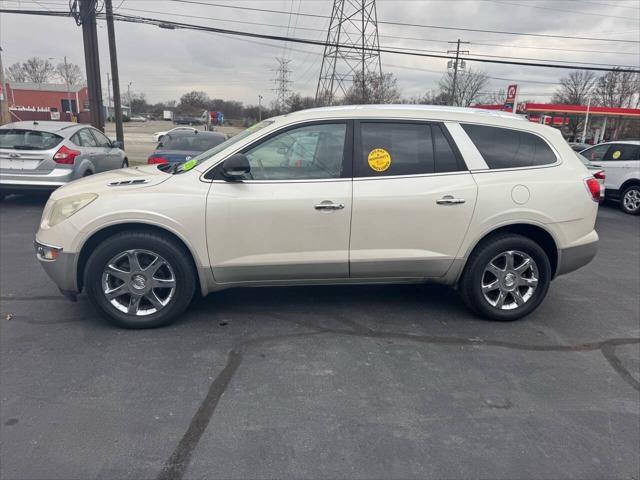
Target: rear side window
x,y
506,148
84,139
28,139
622,151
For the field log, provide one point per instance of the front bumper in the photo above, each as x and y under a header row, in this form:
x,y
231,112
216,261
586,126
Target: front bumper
x,y
11,181
573,258
62,269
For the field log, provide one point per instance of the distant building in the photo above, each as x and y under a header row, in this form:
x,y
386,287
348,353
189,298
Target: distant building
x,y
46,101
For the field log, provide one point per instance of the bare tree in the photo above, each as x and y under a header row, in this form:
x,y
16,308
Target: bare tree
x,y
15,73
70,73
575,89
620,88
378,89
38,70
494,98
297,102
469,84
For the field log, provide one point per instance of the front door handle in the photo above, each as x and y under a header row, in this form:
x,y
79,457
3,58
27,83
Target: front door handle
x,y
450,200
327,205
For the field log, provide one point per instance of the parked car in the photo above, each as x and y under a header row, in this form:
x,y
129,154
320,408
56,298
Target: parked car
x,y
188,120
180,146
44,155
137,118
578,147
485,201
621,163
157,136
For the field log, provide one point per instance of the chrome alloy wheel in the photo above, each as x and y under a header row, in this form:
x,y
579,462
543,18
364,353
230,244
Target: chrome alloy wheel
x,y
138,282
631,200
509,280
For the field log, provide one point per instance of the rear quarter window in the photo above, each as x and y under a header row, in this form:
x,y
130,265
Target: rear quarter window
x,y
28,139
506,148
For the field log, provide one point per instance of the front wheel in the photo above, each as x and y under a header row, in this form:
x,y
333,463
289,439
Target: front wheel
x,y
630,202
506,277
140,279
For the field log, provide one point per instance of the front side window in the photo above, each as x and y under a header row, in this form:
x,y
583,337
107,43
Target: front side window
x,y
304,153
388,149
622,151
506,148
85,139
101,139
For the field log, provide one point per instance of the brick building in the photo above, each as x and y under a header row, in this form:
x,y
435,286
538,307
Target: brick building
x,y
34,101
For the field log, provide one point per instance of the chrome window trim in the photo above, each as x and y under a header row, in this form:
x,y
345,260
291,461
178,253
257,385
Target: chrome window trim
x,y
417,175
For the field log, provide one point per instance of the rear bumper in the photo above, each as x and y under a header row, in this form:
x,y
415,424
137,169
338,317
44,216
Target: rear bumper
x,y
573,258
13,181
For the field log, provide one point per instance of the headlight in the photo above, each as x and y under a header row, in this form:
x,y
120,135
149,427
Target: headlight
x,y
65,207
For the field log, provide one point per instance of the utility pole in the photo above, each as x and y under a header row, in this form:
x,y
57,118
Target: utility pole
x,y
115,75
457,63
5,117
66,75
87,19
259,108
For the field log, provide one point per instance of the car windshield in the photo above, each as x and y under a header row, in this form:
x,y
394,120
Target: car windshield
x,y
227,143
193,143
28,139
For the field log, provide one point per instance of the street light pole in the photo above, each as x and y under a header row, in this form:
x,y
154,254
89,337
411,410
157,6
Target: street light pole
x,y
586,121
259,108
115,76
66,75
129,95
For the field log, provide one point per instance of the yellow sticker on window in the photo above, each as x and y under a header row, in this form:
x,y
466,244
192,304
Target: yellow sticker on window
x,y
616,154
379,159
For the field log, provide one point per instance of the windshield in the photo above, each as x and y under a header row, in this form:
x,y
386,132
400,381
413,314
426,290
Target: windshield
x,y
28,139
194,143
227,143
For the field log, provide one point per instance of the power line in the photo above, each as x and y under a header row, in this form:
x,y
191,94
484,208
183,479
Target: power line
x,y
173,25
401,24
575,12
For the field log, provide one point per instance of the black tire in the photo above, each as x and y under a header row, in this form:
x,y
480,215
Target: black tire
x,y
87,173
625,206
125,163
169,250
470,284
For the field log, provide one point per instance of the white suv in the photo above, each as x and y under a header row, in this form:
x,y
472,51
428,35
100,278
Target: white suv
x,y
486,202
621,164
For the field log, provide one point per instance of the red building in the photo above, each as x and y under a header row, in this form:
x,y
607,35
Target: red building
x,y
34,101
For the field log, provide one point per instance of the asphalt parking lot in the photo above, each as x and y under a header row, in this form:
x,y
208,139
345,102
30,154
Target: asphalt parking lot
x,y
323,382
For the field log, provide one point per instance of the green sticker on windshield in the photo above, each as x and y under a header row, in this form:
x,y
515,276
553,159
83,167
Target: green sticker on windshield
x,y
189,165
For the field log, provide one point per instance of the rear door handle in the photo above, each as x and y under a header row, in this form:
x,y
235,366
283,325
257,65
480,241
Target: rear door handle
x,y
450,200
326,205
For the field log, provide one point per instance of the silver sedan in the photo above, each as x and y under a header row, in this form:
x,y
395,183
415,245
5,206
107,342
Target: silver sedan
x,y
41,155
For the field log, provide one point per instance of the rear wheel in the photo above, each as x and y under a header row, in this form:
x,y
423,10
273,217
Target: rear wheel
x,y
630,200
506,277
140,279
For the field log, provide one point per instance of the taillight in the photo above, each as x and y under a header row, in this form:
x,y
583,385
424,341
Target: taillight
x,y
156,160
594,188
599,175
65,156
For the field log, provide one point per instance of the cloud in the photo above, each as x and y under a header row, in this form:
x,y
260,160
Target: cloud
x,y
164,64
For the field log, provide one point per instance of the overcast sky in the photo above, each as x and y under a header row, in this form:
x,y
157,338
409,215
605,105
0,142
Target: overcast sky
x,y
164,64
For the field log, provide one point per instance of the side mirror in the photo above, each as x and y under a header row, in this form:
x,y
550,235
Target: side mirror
x,y
235,167
117,144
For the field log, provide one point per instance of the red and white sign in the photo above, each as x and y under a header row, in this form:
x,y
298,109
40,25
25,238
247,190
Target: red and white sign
x,y
512,91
